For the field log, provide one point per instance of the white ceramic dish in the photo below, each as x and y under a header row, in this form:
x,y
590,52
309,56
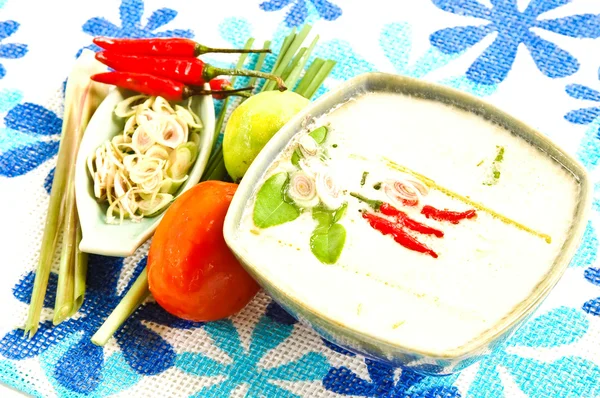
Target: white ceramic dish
x,y
356,339
122,240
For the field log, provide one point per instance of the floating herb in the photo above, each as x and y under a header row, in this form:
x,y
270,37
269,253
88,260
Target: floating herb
x,y
495,167
339,213
364,178
296,158
270,208
328,239
319,134
377,186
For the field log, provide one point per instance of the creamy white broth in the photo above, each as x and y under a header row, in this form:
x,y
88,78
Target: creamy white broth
x,y
485,266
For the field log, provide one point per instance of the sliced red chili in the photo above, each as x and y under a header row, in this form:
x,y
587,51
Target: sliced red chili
x,y
386,227
405,220
173,47
446,215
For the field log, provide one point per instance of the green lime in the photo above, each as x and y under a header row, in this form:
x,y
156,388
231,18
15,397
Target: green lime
x,y
253,123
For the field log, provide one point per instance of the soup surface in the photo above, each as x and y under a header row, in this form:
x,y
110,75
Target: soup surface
x,y
409,220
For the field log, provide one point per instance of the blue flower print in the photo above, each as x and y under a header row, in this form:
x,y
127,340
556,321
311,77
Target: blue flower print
x,y
396,41
130,13
561,326
592,306
244,368
589,148
383,382
116,375
298,13
583,115
30,138
587,256
10,50
79,367
513,27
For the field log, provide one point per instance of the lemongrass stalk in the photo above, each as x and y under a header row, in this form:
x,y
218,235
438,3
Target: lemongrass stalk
x,y
309,76
63,303
289,54
294,62
82,97
219,172
293,77
287,41
260,61
216,159
81,265
319,78
136,295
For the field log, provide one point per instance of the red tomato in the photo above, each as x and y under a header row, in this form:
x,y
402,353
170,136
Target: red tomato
x,y
191,272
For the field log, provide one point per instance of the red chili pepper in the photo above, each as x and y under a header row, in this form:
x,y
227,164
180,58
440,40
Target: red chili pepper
x,y
170,90
220,84
173,47
408,222
386,227
446,215
192,71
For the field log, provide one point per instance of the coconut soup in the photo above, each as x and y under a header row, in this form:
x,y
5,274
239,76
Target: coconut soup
x,y
409,220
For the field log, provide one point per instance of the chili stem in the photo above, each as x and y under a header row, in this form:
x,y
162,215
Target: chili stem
x,y
236,91
309,76
245,50
136,295
374,204
432,184
213,72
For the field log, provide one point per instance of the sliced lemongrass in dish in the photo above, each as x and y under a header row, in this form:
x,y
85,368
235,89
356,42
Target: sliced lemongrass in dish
x,y
141,169
151,149
303,190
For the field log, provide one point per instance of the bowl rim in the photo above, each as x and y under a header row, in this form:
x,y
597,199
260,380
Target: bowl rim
x,y
95,234
519,313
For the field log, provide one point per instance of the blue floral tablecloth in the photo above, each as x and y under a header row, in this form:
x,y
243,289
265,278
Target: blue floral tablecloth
x,y
536,59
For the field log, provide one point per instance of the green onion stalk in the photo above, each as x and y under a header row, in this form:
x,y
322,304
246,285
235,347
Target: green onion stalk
x,y
82,97
289,65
